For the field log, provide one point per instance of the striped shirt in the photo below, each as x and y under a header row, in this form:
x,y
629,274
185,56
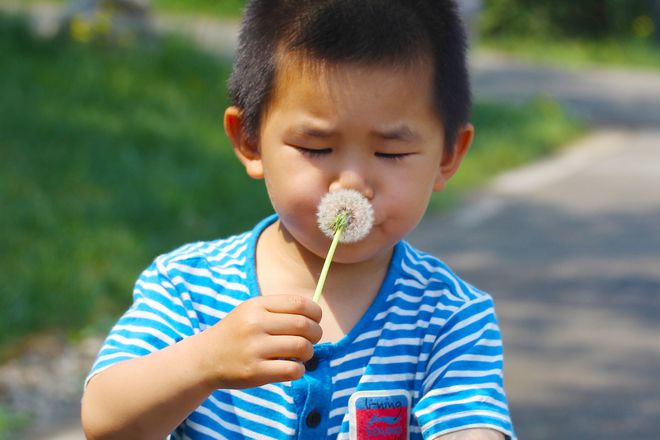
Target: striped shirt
x,y
423,361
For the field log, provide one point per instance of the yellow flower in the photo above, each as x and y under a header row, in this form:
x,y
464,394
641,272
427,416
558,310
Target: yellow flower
x,y
81,30
643,26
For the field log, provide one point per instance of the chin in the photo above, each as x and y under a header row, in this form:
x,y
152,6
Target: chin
x,y
360,252
375,245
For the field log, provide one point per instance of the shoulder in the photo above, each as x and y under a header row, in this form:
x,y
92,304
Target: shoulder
x,y
225,255
226,252
428,275
206,271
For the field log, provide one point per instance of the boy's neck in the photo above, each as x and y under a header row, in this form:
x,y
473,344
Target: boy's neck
x,y
279,250
286,267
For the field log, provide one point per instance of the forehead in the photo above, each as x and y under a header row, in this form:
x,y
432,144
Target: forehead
x,y
351,87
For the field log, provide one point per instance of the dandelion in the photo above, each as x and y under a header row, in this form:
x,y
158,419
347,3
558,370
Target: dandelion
x,y
345,206
345,216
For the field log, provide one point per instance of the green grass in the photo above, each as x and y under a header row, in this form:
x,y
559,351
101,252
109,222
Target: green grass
x,y
107,157
227,9
111,156
12,423
216,8
580,53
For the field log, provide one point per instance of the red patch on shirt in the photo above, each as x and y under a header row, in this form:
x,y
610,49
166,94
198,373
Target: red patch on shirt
x,y
382,415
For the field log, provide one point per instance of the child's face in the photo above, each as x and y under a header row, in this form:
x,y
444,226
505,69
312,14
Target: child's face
x,y
369,128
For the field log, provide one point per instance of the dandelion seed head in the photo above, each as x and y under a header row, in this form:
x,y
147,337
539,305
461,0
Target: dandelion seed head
x,y
345,205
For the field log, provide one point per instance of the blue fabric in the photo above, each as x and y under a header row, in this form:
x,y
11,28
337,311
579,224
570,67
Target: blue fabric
x,y
428,336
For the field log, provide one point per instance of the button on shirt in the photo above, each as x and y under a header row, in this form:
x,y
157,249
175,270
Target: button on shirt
x,y
312,392
312,364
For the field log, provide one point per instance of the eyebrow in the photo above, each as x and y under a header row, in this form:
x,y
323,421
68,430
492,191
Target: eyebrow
x,y
312,131
398,133
316,132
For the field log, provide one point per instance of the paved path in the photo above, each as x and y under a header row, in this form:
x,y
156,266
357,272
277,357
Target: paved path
x,y
603,97
569,247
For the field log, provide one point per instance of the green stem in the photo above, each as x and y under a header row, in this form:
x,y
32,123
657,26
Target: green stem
x,y
326,264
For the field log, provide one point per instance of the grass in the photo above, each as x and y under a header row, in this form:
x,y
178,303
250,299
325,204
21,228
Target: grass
x,y
215,8
110,156
107,157
580,53
12,423
225,9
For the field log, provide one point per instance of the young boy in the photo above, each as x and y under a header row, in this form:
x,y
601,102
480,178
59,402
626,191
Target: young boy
x,y
223,339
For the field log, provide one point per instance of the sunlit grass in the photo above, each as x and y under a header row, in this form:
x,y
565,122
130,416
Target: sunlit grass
x,y
229,9
216,8
12,423
107,158
580,53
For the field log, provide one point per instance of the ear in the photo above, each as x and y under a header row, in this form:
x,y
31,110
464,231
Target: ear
x,y
246,150
450,163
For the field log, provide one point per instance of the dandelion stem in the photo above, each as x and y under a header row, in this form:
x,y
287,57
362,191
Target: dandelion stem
x,y
341,225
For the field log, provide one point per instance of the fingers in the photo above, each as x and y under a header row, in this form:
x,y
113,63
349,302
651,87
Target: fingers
x,y
264,339
292,304
287,347
280,370
294,325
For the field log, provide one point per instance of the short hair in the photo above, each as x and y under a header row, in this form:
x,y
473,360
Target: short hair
x,y
378,32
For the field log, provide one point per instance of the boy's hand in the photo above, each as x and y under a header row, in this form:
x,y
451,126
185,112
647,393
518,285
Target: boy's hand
x,y
263,340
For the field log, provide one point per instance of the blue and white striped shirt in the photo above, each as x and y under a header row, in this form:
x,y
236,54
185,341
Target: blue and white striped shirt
x,y
424,360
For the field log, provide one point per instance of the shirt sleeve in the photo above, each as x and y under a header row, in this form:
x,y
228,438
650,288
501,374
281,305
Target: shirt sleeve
x,y
160,316
463,387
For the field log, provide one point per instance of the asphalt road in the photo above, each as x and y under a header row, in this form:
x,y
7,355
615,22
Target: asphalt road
x,y
570,249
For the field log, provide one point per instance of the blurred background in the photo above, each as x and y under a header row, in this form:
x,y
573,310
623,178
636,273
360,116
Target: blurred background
x,y
112,152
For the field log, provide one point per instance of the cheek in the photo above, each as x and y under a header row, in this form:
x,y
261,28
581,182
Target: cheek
x,y
292,192
407,200
287,197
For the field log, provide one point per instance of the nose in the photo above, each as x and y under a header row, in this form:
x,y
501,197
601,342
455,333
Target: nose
x,y
351,179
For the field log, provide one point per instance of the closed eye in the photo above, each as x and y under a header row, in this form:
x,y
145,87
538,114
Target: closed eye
x,y
393,156
314,152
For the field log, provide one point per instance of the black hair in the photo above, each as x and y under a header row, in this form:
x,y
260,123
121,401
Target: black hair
x,y
387,32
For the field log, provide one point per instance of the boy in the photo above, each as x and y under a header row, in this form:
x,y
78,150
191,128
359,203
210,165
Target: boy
x,y
223,340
